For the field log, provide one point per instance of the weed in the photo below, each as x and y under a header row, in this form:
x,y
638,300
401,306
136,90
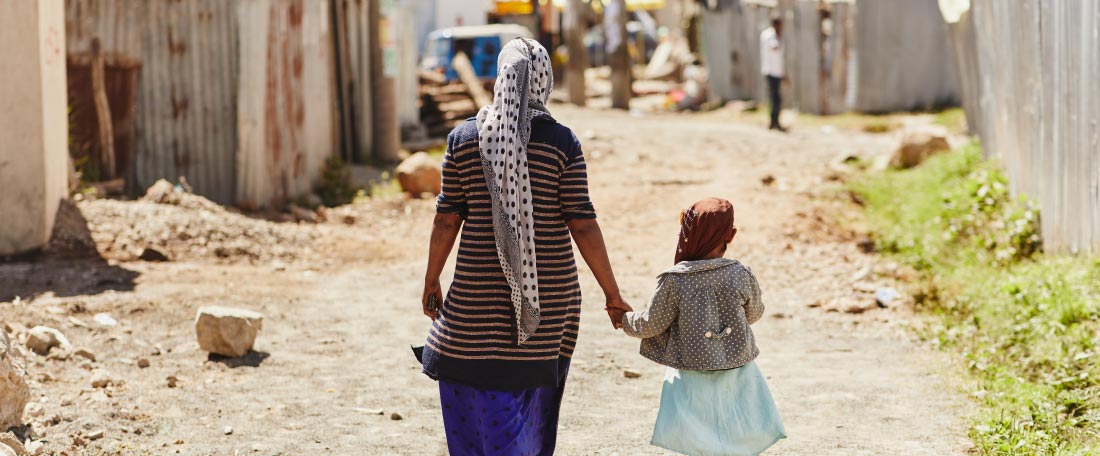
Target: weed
x,y
1027,324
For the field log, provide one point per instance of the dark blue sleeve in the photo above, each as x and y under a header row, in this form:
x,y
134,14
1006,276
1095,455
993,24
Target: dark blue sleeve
x,y
452,198
573,193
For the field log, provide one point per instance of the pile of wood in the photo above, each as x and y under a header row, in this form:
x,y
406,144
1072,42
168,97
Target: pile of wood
x,y
444,105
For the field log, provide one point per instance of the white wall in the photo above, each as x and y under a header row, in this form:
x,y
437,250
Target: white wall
x,y
34,122
451,13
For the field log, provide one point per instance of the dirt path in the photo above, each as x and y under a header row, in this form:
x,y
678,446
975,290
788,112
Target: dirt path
x,y
336,342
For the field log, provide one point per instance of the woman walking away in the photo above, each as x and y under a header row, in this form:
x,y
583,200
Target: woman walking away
x,y
714,401
515,182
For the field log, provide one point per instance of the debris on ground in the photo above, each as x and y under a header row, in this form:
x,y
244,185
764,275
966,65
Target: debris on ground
x,y
917,144
630,373
396,416
419,174
153,254
101,379
10,445
886,296
103,319
182,226
14,392
41,339
227,331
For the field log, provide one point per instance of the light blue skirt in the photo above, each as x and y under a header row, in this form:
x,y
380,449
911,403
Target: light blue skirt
x,y
712,413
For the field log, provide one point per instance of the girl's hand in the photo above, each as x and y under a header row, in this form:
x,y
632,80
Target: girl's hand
x,y
431,288
616,308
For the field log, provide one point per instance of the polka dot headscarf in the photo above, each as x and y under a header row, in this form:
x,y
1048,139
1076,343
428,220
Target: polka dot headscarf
x,y
524,81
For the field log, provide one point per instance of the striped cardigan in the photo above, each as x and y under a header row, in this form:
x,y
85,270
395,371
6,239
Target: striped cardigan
x,y
473,341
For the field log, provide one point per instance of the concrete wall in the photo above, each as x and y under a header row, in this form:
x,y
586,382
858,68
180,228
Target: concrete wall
x,y
33,122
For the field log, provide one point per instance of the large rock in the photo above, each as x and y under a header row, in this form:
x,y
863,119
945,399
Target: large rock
x,y
14,392
420,174
41,339
227,331
917,144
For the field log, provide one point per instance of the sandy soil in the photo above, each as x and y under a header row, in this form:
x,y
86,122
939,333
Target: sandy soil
x,y
333,362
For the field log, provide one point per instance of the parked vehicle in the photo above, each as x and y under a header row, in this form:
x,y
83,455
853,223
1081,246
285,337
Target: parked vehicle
x,y
481,44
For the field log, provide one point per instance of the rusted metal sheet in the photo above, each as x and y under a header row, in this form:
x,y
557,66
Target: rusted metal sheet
x,y
1037,108
406,82
286,99
118,24
186,102
731,49
358,45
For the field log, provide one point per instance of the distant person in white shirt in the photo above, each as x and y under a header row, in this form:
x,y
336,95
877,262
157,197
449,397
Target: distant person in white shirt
x,y
771,66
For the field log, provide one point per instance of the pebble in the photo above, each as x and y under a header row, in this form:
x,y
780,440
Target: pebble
x,y
143,363
95,435
396,416
172,381
83,353
630,373
101,379
228,430
105,320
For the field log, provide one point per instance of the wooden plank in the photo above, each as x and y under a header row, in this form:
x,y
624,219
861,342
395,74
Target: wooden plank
x,y
102,114
466,73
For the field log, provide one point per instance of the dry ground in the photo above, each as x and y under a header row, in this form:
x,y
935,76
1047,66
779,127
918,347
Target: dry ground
x,y
342,315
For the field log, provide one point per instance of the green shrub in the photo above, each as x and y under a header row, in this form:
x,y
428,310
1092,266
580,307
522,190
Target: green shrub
x,y
1025,323
336,188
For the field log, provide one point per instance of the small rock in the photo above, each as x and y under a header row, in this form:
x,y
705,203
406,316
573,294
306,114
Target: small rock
x,y
172,381
917,144
156,350
152,253
866,245
41,339
10,445
227,331
34,410
14,391
84,353
885,296
396,416
143,363
779,315
103,319
101,379
420,173
302,214
66,402
228,430
95,435
814,304
857,308
630,373
767,180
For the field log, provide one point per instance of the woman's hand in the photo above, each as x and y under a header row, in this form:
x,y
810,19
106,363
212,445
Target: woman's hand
x,y
616,308
431,288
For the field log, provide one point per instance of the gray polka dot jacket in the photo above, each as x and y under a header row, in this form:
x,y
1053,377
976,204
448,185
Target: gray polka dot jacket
x,y
699,316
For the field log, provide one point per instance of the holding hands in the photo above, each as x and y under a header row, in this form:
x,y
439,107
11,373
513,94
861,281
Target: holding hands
x,y
616,308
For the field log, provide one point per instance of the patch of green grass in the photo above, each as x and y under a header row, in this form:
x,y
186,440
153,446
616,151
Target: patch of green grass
x,y
952,118
388,186
1026,324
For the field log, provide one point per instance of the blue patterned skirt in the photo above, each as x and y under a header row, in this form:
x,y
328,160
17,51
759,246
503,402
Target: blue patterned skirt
x,y
482,423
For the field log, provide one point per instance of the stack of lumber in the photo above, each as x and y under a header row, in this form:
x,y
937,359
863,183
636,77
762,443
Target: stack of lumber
x,y
444,105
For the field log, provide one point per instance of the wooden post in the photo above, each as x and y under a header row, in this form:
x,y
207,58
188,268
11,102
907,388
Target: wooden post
x,y
618,56
578,55
387,135
102,114
469,78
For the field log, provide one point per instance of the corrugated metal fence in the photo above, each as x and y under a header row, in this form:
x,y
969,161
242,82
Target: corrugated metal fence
x,y
867,55
188,86
1039,109
255,133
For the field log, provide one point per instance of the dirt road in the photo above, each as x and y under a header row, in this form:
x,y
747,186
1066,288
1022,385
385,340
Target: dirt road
x,y
335,346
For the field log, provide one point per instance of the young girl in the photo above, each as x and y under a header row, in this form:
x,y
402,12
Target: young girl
x,y
714,400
